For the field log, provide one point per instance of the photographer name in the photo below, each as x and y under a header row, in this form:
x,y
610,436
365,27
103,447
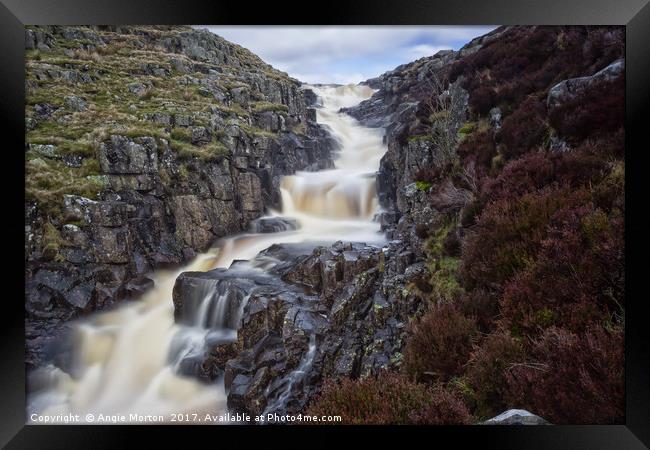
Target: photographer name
x,y
95,418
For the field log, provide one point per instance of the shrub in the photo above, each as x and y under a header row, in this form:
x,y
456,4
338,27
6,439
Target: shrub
x,y
537,170
577,279
508,234
478,148
600,109
524,129
482,100
389,398
572,378
486,372
439,344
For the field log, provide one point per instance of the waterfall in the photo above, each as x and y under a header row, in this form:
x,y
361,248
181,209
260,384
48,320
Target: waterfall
x,y
133,359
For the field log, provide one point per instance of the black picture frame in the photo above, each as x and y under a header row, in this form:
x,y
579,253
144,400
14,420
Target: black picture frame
x,y
633,14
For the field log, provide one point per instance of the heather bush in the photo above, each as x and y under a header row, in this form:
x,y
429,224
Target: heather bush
x,y
526,61
482,100
599,110
537,170
486,372
483,306
478,149
572,378
524,129
541,239
389,399
508,235
438,344
578,276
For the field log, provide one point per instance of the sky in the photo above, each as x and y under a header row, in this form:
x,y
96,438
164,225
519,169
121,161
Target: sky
x,y
345,54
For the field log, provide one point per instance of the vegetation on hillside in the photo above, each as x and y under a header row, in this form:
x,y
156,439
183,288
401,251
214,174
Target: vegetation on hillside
x,y
536,315
80,91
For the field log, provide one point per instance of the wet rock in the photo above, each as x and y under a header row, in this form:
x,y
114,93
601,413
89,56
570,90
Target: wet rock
x,y
135,288
217,357
80,297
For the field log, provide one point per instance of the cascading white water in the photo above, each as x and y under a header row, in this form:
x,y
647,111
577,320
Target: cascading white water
x,y
125,361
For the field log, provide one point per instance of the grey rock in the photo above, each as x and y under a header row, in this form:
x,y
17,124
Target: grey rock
x,y
121,155
569,89
273,224
516,417
75,103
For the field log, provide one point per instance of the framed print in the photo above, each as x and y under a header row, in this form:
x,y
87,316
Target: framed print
x,y
400,220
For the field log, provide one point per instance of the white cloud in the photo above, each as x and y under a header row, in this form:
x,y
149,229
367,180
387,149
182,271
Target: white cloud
x,y
421,50
344,53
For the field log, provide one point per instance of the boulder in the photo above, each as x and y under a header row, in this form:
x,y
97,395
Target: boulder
x,y
75,103
273,224
516,417
574,87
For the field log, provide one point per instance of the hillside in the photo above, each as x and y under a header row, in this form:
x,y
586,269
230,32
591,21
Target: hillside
x,y
519,218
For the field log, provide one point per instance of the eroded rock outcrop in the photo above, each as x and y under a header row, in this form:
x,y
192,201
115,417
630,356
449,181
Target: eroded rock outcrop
x,y
331,312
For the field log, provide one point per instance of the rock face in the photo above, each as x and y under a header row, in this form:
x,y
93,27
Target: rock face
x,y
196,152
318,313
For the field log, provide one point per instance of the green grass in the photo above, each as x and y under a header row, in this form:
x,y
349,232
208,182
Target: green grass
x,y
48,181
423,185
213,151
267,106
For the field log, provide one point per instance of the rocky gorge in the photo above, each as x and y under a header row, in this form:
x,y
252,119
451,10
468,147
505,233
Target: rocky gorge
x,y
144,145
291,325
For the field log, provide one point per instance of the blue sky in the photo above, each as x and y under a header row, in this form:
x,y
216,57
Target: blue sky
x,y
345,54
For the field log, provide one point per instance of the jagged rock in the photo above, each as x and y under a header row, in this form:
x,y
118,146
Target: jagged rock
x,y
495,118
120,155
137,88
44,110
249,191
201,136
45,150
107,214
137,287
76,208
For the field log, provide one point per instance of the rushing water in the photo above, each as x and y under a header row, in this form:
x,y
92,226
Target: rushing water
x,y
126,361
